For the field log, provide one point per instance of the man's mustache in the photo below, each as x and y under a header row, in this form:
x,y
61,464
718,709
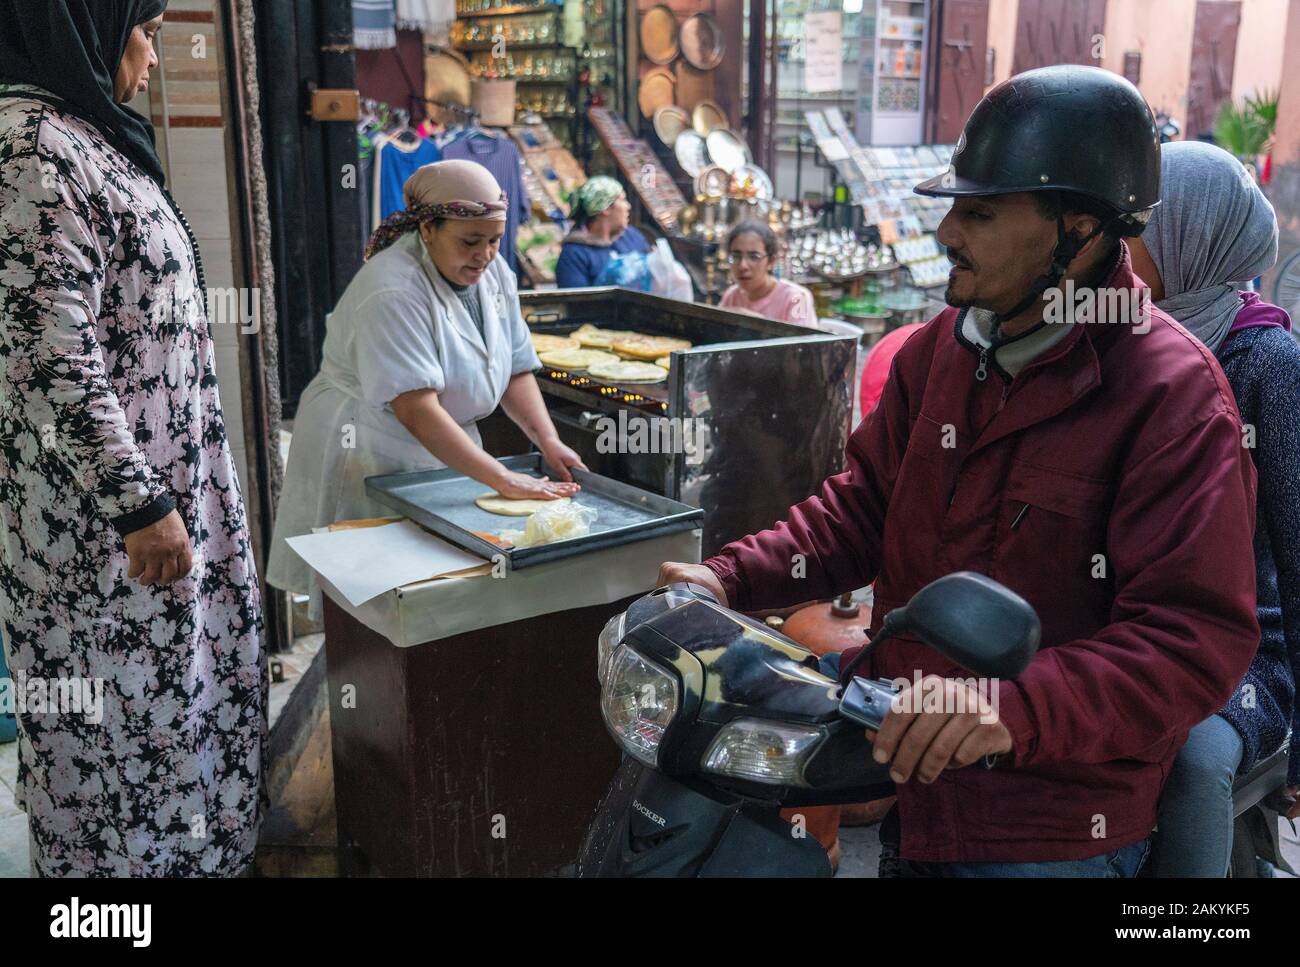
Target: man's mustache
x,y
956,259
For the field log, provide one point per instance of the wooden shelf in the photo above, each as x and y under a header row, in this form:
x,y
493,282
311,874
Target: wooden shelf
x,y
540,8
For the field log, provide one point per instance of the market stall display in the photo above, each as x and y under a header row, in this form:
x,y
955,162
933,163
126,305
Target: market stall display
x,y
642,171
524,43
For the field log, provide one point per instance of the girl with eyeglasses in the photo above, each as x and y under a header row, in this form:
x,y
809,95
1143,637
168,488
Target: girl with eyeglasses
x,y
752,249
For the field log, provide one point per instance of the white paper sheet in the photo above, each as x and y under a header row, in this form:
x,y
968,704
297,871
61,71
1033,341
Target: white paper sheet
x,y
367,561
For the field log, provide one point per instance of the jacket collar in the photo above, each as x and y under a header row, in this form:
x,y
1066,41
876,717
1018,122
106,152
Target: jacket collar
x,y
1063,375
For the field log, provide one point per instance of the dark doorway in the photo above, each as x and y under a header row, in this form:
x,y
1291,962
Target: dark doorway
x,y
311,176
1214,55
1058,32
961,55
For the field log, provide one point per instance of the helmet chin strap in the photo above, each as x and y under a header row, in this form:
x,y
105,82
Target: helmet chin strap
x,y
1068,245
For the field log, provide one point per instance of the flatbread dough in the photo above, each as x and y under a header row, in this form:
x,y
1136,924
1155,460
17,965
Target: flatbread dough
x,y
625,372
508,507
576,359
546,343
648,347
663,361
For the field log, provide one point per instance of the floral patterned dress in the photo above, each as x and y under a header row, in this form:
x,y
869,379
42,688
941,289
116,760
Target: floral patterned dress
x,y
142,740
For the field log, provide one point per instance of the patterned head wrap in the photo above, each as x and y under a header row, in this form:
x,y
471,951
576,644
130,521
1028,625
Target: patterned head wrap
x,y
593,197
444,189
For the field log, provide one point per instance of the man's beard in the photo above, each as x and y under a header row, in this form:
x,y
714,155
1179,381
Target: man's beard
x,y
957,302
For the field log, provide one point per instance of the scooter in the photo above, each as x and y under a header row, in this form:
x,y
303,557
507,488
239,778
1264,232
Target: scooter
x,y
724,722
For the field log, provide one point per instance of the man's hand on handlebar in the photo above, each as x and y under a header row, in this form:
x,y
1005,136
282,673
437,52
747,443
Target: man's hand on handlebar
x,y
672,572
925,743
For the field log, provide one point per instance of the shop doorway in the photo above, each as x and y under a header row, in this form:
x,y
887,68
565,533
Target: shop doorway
x,y
960,56
1052,32
1214,55
311,173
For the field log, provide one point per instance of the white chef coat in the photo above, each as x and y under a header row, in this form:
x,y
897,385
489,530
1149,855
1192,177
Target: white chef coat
x,y
399,327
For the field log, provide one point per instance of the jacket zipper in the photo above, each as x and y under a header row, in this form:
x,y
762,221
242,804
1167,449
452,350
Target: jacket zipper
x,y
982,372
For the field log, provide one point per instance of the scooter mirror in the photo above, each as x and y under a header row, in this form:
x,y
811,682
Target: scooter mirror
x,y
975,621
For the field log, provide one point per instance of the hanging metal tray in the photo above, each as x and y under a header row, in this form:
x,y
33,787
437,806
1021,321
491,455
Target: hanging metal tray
x,y
443,502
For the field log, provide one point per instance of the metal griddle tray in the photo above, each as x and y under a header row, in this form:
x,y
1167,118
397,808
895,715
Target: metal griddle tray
x,y
443,502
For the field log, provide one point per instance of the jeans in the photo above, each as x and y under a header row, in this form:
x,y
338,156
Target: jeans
x,y
1195,824
8,700
1124,862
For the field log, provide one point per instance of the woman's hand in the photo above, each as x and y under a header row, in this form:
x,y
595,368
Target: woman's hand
x,y
161,552
560,458
520,486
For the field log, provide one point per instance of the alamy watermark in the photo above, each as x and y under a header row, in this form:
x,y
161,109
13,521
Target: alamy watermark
x,y
32,695
226,306
652,434
1107,306
930,694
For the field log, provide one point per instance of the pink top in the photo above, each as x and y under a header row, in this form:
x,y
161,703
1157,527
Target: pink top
x,y
787,302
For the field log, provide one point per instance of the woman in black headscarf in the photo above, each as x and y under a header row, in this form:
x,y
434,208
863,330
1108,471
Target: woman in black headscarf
x,y
127,586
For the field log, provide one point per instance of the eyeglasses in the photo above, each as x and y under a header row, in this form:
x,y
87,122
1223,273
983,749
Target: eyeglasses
x,y
736,258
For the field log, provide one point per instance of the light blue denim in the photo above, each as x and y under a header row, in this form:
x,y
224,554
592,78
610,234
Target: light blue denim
x,y
1195,824
8,723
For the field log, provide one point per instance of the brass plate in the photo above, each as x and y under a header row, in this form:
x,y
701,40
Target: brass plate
x,y
670,121
726,150
659,35
691,152
657,90
707,116
701,42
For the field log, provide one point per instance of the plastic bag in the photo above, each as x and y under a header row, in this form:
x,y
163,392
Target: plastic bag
x,y
560,521
630,270
668,276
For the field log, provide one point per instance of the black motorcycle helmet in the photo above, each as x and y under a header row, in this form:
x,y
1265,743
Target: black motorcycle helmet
x,y
1065,128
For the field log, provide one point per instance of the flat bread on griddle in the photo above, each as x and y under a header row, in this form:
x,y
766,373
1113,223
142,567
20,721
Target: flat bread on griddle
x,y
592,337
546,343
628,372
576,359
648,347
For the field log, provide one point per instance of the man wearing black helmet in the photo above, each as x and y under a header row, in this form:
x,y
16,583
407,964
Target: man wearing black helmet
x,y
1087,456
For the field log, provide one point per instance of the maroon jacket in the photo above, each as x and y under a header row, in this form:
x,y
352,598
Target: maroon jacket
x,y
1121,443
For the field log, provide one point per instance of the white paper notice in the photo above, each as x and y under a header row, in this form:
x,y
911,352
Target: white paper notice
x,y
367,561
823,69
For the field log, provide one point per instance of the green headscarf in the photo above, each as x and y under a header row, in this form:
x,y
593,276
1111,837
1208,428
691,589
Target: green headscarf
x,y
593,197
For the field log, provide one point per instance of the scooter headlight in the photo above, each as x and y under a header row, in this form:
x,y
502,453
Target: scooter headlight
x,y
638,701
610,636
773,753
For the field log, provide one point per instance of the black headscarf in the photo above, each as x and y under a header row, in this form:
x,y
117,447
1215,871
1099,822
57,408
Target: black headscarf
x,y
72,48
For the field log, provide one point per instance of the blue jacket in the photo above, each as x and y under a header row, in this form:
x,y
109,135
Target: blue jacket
x,y
581,261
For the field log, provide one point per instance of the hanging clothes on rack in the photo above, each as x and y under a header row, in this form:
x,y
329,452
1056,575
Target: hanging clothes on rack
x,y
396,160
497,154
431,16
374,116
373,24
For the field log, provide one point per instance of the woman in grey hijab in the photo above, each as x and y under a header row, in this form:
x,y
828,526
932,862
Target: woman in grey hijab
x,y
1214,228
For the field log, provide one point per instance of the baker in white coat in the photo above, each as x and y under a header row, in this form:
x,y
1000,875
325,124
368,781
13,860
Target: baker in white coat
x,y
427,340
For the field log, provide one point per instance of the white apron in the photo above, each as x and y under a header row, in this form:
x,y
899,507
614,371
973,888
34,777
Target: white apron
x,y
421,336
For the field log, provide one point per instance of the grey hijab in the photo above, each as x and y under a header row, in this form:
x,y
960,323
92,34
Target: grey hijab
x,y
1212,228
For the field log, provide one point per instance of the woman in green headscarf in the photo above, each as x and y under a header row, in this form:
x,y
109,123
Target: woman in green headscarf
x,y
600,234
128,593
